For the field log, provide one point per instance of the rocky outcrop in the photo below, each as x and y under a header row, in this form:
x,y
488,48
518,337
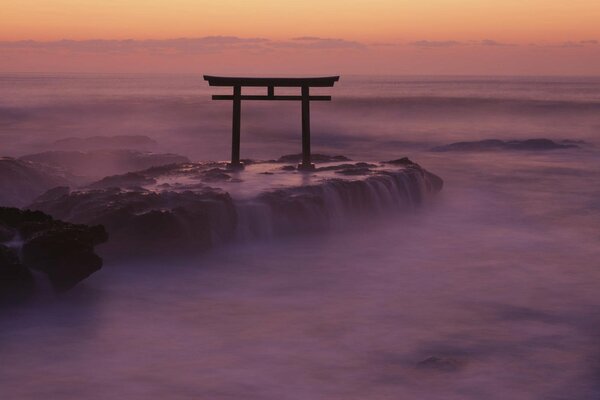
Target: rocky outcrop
x,y
100,163
143,222
32,240
172,210
514,145
22,181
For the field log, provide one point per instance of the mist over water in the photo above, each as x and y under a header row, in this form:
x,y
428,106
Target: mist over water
x,y
497,278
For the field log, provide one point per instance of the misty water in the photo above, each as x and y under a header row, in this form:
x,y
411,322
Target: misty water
x,y
497,278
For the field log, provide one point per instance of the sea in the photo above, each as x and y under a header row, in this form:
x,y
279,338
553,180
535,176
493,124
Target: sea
x,y
489,292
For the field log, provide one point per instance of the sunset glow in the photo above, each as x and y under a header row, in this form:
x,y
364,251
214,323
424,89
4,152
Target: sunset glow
x,y
492,37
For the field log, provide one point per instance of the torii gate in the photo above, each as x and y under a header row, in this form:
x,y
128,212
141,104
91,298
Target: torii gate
x,y
270,83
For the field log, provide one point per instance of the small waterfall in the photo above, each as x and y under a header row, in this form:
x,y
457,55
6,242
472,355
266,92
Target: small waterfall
x,y
333,203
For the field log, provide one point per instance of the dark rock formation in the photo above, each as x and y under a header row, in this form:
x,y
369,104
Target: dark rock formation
x,y
22,181
63,251
149,222
128,180
137,142
99,163
170,209
516,145
401,161
317,158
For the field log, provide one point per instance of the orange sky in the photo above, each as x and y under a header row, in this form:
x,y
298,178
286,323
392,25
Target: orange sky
x,y
423,29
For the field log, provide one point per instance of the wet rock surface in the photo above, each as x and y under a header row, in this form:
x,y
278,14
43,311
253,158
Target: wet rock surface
x,y
32,240
512,145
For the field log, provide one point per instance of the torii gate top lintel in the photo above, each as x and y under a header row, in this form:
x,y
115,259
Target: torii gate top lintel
x,y
270,83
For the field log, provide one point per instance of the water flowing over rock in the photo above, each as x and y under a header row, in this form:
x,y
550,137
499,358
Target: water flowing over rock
x,y
32,240
172,208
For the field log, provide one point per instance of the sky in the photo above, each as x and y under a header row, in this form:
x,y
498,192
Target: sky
x,y
521,37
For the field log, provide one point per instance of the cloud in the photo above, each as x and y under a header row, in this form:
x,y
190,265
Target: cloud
x,y
208,44
314,42
435,43
493,43
589,42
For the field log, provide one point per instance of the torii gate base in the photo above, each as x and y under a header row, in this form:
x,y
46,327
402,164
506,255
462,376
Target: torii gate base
x,y
270,83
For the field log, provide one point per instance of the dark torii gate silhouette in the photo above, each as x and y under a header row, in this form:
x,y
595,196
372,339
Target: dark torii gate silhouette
x,y
271,83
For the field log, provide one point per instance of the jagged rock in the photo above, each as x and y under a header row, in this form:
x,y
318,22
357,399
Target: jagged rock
x,y
64,251
495,144
317,158
100,163
22,181
152,222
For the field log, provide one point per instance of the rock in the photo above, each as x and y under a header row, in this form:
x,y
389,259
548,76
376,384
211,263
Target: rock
x,y
6,234
317,158
63,251
128,180
400,161
137,142
215,175
16,281
101,163
54,193
150,222
537,144
22,181
495,144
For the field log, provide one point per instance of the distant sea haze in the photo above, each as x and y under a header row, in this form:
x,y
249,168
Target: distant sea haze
x,y
177,113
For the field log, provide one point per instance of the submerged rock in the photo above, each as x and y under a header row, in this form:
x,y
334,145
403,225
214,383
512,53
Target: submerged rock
x,y
22,181
495,144
63,251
